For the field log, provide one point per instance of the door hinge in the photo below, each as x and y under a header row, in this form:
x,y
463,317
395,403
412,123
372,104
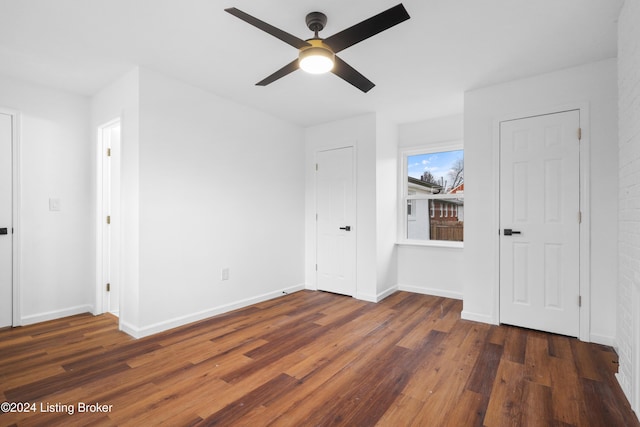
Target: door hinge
x,y
579,134
108,152
316,166
316,217
579,217
579,300
108,219
108,287
316,267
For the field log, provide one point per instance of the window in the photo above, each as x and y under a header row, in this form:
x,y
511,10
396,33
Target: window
x,y
433,193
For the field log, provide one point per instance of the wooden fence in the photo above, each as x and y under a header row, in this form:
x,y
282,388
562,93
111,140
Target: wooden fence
x,y
447,230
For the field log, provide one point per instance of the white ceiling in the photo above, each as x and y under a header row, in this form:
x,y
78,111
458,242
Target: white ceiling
x,y
421,67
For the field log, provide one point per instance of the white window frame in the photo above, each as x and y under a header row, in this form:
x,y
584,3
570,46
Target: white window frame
x,y
405,197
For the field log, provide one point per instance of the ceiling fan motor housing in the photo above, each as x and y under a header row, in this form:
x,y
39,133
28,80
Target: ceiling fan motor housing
x,y
316,21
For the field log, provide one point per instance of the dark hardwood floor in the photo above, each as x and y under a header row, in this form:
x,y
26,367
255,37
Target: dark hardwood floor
x,y
310,359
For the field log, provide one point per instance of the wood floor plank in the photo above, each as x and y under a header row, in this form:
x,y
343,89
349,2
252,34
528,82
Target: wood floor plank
x,y
402,412
469,410
505,402
483,376
515,344
587,361
313,358
537,359
559,346
566,391
537,408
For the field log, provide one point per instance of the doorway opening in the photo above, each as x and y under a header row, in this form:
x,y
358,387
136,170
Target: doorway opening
x,y
109,236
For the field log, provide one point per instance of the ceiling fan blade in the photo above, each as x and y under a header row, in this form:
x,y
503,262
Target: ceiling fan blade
x,y
367,28
350,75
268,28
289,68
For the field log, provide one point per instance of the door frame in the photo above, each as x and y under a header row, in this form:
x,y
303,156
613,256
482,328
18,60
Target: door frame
x,y
585,225
15,213
315,207
100,301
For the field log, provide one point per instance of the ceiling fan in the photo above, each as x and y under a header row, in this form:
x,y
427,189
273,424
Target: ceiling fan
x,y
317,55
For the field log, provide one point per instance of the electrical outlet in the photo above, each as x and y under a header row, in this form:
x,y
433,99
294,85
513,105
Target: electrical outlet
x,y
224,274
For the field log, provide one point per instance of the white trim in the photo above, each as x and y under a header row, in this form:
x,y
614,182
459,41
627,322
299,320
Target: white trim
x,y
17,216
432,243
403,195
494,245
155,328
435,197
56,314
99,286
16,199
431,291
585,226
602,339
478,317
379,296
368,297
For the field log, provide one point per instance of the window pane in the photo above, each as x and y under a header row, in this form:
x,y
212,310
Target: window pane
x,y
441,219
435,173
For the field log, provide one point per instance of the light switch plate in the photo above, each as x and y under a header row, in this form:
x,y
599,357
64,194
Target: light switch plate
x,y
54,205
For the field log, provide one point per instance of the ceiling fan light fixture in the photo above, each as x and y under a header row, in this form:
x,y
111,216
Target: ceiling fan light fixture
x,y
317,58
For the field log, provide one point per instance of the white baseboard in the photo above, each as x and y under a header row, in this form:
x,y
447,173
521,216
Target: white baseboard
x,y
378,297
382,295
366,297
430,291
55,314
602,339
413,289
145,331
477,317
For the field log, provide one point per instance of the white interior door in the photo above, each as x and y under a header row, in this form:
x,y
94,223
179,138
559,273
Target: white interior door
x,y
111,209
336,213
539,222
6,223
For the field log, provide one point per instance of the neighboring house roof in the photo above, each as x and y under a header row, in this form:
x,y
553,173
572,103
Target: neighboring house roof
x,y
458,189
426,186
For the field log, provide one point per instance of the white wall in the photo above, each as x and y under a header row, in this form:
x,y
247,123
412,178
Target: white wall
x,y
120,100
375,142
386,206
57,248
428,269
628,325
220,186
592,85
359,132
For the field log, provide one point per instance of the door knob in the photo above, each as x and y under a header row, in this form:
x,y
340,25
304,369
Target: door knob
x,y
509,232
3,231
347,228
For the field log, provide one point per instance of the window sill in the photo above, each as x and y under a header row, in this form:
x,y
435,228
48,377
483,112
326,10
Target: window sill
x,y
431,243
